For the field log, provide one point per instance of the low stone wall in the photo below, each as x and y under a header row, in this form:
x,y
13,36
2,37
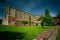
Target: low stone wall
x,y
48,34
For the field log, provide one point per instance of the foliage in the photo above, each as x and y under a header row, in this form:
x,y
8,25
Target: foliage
x,y
0,21
36,24
46,18
58,14
58,35
42,18
24,22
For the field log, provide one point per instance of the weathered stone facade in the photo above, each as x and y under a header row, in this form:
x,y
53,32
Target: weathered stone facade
x,y
14,17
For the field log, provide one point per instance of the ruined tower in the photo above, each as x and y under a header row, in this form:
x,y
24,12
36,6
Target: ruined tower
x,y
6,16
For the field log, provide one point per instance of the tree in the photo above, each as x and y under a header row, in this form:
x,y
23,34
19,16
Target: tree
x,y
46,18
24,22
58,14
42,18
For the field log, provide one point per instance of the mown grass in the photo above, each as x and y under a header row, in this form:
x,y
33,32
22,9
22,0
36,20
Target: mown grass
x,y
30,31
58,35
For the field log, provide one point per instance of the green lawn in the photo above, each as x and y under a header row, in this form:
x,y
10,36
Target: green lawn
x,y
30,31
58,35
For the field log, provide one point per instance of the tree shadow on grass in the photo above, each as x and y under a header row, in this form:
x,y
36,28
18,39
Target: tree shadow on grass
x,y
7,35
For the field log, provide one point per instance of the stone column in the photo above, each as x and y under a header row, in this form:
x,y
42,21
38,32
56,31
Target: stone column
x,y
29,20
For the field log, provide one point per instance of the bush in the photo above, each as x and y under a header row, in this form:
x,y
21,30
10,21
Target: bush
x,y
24,22
36,24
0,21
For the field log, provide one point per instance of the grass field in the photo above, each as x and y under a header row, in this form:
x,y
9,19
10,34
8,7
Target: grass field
x,y
30,31
58,35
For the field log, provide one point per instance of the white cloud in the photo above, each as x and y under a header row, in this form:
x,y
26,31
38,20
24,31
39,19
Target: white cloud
x,y
0,17
30,5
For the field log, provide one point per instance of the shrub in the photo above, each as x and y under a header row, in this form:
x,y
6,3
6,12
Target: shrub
x,y
24,22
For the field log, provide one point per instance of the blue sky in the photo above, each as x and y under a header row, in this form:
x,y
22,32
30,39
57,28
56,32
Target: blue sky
x,y
34,7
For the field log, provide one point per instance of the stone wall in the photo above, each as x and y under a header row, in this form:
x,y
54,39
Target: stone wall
x,y
5,22
12,14
48,34
53,36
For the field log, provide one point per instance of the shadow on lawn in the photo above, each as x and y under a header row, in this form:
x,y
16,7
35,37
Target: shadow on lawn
x,y
7,35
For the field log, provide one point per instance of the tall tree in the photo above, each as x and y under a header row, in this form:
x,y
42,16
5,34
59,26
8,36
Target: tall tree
x,y
42,18
48,17
58,14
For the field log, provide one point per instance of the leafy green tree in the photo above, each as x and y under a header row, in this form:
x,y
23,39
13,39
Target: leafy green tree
x,y
42,18
24,22
46,18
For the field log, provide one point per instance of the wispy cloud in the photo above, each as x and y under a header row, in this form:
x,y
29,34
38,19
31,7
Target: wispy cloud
x,y
30,5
